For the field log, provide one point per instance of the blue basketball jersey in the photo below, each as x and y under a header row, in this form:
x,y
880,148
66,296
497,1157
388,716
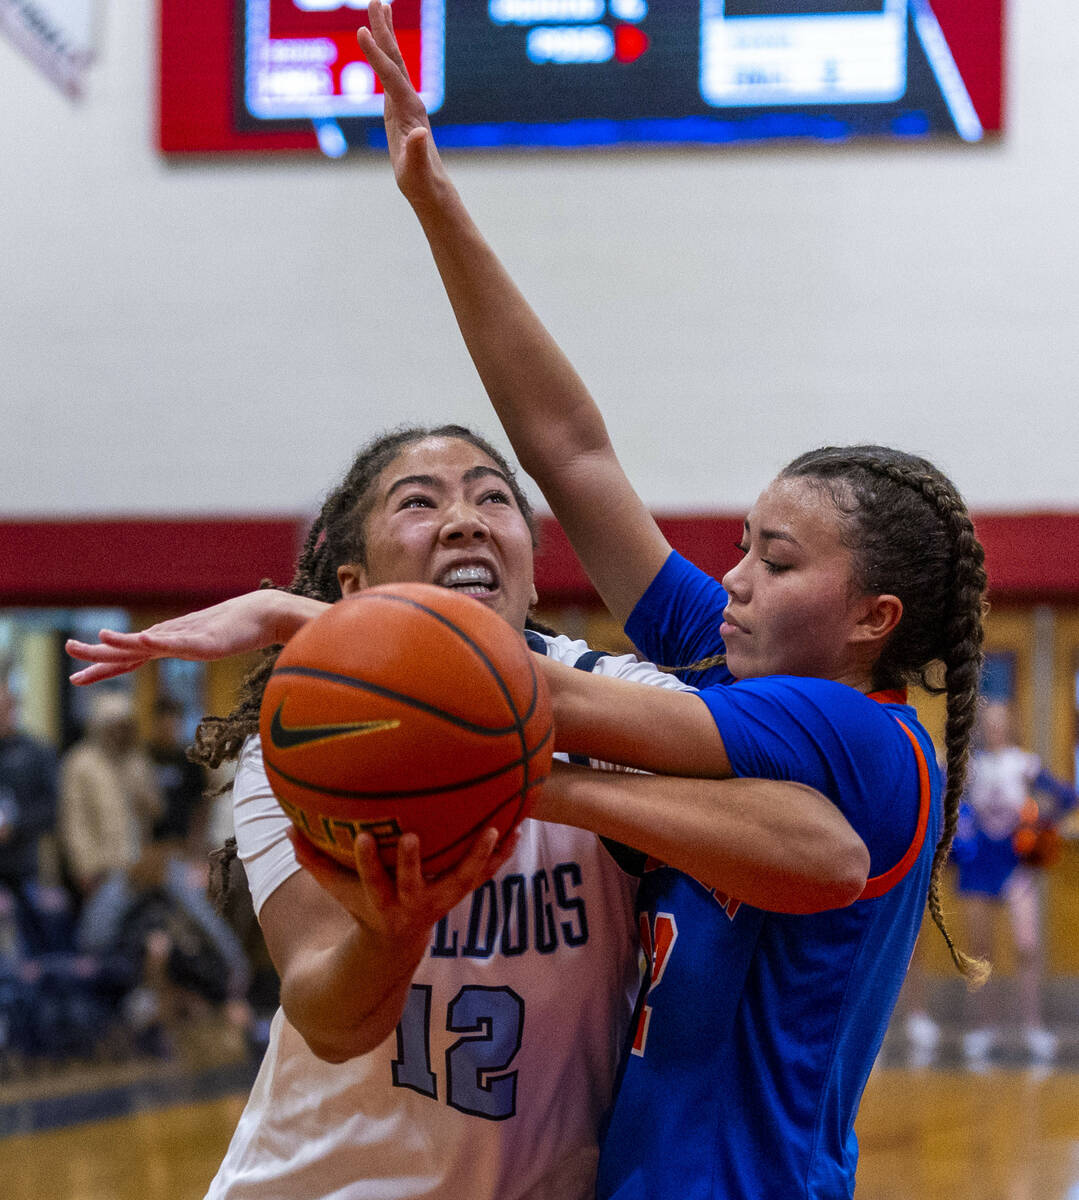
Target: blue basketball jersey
x,y
756,1032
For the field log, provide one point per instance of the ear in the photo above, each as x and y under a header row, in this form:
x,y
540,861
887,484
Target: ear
x,y
534,598
351,578
880,615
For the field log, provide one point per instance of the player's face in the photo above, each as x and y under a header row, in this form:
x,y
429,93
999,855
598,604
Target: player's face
x,y
995,726
444,513
793,607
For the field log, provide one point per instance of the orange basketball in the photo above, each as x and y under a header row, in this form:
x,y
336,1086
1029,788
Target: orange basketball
x,y
406,707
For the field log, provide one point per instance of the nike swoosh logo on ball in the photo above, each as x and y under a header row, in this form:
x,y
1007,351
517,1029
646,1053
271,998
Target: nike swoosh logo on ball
x,y
287,737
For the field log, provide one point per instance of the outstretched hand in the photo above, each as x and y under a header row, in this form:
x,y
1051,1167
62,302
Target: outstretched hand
x,y
249,622
416,164
402,908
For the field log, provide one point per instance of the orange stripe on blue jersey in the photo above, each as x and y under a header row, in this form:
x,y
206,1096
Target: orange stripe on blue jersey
x,y
877,885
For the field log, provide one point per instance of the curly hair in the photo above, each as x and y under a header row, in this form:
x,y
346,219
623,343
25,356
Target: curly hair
x,y
911,537
338,535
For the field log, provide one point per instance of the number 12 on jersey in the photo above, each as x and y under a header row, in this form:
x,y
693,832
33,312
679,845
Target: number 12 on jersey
x,y
478,1076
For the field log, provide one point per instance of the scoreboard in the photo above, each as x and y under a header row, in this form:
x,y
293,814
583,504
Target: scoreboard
x,y
289,74
301,57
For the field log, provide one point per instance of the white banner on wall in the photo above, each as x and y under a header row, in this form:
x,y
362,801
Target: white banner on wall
x,y
56,35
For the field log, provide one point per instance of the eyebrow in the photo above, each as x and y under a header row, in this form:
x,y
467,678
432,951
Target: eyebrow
x,y
472,474
772,535
410,481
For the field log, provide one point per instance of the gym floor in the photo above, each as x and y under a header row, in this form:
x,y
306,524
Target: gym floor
x,y
151,1131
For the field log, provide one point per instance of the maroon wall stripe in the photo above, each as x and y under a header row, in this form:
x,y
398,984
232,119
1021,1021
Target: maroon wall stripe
x,y
143,562
183,563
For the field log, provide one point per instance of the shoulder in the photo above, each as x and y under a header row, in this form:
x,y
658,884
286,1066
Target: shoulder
x,y
250,768
575,652
873,760
677,622
677,571
261,826
250,752
814,729
799,693
251,790
629,666
559,647
682,584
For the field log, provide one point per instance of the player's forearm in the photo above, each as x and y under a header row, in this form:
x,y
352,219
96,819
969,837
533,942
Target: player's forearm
x,y
347,998
288,613
778,846
544,406
619,721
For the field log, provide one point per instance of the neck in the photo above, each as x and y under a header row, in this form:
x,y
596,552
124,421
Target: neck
x,y
861,681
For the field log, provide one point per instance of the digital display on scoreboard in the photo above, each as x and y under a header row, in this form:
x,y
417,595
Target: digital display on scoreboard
x,y
290,73
301,57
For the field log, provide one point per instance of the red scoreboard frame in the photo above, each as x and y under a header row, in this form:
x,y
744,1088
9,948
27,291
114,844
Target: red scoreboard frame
x,y
499,93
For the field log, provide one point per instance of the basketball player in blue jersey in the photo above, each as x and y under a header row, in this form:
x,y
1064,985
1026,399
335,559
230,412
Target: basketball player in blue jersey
x,y
860,574
1005,781
456,1037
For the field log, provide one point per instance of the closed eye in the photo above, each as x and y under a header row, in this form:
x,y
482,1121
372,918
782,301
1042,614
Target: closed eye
x,y
772,567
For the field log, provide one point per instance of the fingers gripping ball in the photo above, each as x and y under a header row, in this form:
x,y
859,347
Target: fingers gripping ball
x,y
406,707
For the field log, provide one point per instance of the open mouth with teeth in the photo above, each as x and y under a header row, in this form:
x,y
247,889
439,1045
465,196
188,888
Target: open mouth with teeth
x,y
474,579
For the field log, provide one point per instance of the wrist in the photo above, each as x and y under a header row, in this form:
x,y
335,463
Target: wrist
x,y
396,953
290,613
437,203
555,799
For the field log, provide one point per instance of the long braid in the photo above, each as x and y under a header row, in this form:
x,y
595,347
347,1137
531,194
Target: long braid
x,y
913,537
963,666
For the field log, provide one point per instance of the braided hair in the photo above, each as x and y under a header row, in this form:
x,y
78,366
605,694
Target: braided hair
x,y
911,537
337,536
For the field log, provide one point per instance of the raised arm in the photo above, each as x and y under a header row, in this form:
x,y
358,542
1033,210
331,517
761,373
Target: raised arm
x,y
553,423
267,617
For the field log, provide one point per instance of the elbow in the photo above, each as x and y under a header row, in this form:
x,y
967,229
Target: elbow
x,y
836,865
832,877
845,872
331,1051
326,1049
339,1046
334,1041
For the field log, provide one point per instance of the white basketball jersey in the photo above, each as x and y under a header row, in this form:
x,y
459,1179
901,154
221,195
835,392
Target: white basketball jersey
x,y
502,1066
998,786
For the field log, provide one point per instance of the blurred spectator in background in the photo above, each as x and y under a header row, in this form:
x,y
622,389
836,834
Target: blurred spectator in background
x,y
54,1002
125,813
109,801
182,826
28,771
1005,837
202,955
